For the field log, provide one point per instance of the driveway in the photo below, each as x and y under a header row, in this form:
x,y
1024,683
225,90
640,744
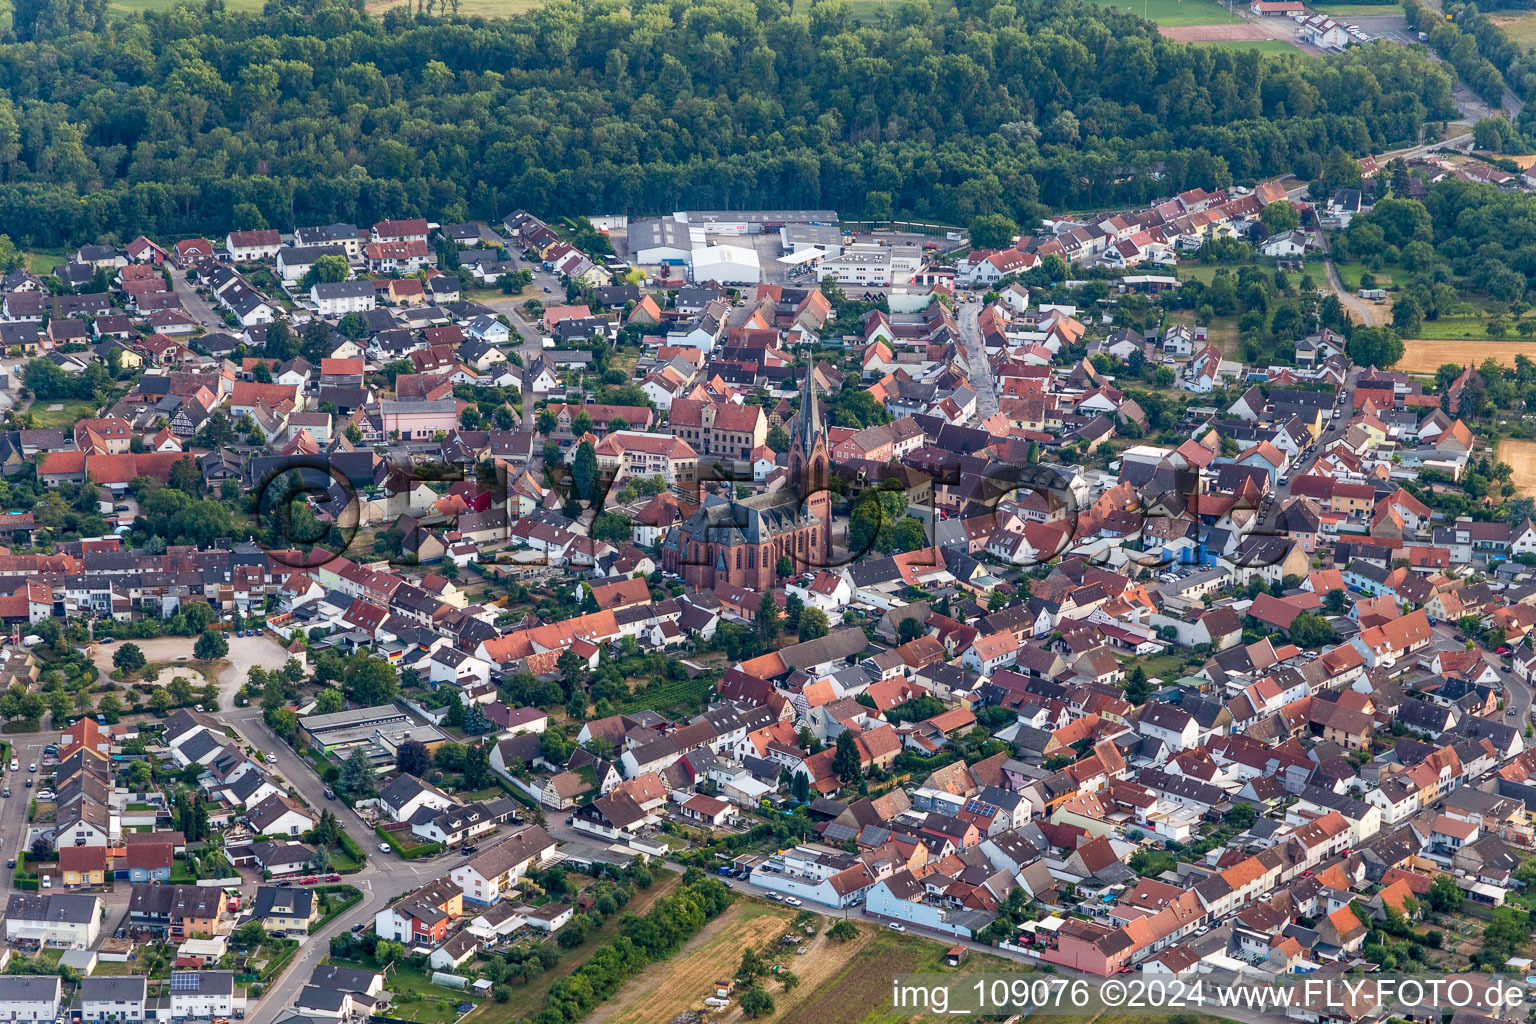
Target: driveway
x,y
244,652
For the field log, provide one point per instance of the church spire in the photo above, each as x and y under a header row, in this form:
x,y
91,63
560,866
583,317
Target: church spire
x,y
809,426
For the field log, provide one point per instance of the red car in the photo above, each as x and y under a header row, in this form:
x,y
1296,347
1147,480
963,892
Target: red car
x,y
1504,651
333,878
311,880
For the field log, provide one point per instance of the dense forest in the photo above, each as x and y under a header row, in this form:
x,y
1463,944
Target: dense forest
x,y
186,120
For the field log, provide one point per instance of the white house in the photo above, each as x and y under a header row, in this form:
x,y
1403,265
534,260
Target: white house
x,y
338,298
112,999
204,994
250,246
67,920
406,794
1285,244
1173,725
453,666
492,873
826,590
34,997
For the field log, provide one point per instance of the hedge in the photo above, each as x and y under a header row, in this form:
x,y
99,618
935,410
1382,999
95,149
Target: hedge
x,y
352,900
23,725
415,852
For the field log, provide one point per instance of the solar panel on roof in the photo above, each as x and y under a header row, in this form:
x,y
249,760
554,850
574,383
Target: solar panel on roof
x,y
184,981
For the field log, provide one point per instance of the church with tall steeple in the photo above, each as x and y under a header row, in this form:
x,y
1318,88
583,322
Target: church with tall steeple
x,y
741,542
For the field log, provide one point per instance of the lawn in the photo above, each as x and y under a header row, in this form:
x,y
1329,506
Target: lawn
x,y
415,994
1206,272
1278,47
46,417
1359,10
1386,277
42,261
1174,12
1166,667
1519,26
1455,328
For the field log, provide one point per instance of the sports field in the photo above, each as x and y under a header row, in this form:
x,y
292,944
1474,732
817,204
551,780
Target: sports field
x,y
1175,12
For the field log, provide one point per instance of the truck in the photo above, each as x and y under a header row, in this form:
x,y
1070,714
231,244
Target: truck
x,y
1423,37
31,640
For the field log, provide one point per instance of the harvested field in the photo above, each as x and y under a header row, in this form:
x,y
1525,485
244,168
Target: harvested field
x,y
858,989
1242,31
1426,355
1520,456
664,990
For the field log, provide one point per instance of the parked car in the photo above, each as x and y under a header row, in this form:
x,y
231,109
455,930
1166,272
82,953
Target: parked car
x,y
285,883
893,926
792,901
15,765
6,791
11,863
333,878
385,847
32,768
45,795
311,880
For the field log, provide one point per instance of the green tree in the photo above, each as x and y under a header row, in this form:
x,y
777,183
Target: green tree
x,y
210,644
1310,631
358,776
767,623
813,624
846,761
1444,894
993,231
129,658
1280,216
329,701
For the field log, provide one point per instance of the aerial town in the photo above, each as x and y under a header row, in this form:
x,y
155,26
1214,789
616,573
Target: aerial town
x,y
700,613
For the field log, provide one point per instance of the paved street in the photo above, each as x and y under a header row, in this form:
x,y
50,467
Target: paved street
x,y
384,877
28,749
195,305
976,358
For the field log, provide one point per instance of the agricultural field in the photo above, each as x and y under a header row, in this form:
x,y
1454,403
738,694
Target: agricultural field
x,y
859,990
1174,12
528,999
1426,355
1520,456
666,989
839,983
